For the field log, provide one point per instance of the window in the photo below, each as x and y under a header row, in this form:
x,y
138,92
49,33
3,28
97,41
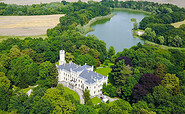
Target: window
x,y
81,81
94,86
94,92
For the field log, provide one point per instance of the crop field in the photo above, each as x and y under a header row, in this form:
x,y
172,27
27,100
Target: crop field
x,y
27,25
180,3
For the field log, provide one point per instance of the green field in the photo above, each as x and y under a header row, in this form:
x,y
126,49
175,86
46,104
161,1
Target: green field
x,y
161,46
96,100
104,71
69,91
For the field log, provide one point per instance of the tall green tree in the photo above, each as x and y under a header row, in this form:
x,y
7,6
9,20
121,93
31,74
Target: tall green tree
x,y
120,73
111,51
171,82
86,96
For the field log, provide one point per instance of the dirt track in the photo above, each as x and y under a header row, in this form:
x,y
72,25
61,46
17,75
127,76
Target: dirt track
x,y
180,3
27,25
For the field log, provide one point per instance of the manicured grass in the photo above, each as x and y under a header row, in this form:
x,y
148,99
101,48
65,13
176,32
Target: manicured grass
x,y
27,89
104,71
96,100
109,64
178,24
69,91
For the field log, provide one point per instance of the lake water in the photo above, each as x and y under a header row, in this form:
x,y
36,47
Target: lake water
x,y
117,31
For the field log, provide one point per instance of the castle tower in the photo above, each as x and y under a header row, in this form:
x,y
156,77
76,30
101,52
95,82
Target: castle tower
x,y
62,57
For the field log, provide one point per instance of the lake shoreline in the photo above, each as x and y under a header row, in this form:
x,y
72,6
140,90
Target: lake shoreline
x,y
87,28
117,31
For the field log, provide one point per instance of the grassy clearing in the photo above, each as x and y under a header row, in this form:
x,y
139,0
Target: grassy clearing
x,y
109,64
162,46
178,24
104,71
69,91
96,100
131,10
87,28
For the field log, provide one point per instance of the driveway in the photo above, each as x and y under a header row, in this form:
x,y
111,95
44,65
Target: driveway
x,y
78,91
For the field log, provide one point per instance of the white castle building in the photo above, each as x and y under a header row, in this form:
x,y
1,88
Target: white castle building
x,y
82,77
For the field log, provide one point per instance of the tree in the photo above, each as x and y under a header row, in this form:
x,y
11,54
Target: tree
x,y
17,103
14,52
120,72
160,70
161,39
127,88
146,83
85,109
47,74
20,68
86,96
177,41
4,98
84,49
42,106
69,57
162,96
58,101
149,34
111,51
128,60
171,82
135,26
109,90
120,107
140,106
4,81
53,76
5,60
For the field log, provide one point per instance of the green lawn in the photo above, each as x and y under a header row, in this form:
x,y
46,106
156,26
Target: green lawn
x,y
96,100
69,91
104,71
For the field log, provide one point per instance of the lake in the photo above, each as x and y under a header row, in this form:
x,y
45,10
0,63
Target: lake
x,y
117,31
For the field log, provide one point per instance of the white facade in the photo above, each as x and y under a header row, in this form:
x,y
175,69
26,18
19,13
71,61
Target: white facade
x,y
80,76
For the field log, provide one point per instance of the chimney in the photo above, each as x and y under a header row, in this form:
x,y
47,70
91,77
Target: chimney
x,y
91,76
85,63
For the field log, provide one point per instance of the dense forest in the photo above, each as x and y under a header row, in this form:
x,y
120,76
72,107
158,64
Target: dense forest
x,y
147,79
